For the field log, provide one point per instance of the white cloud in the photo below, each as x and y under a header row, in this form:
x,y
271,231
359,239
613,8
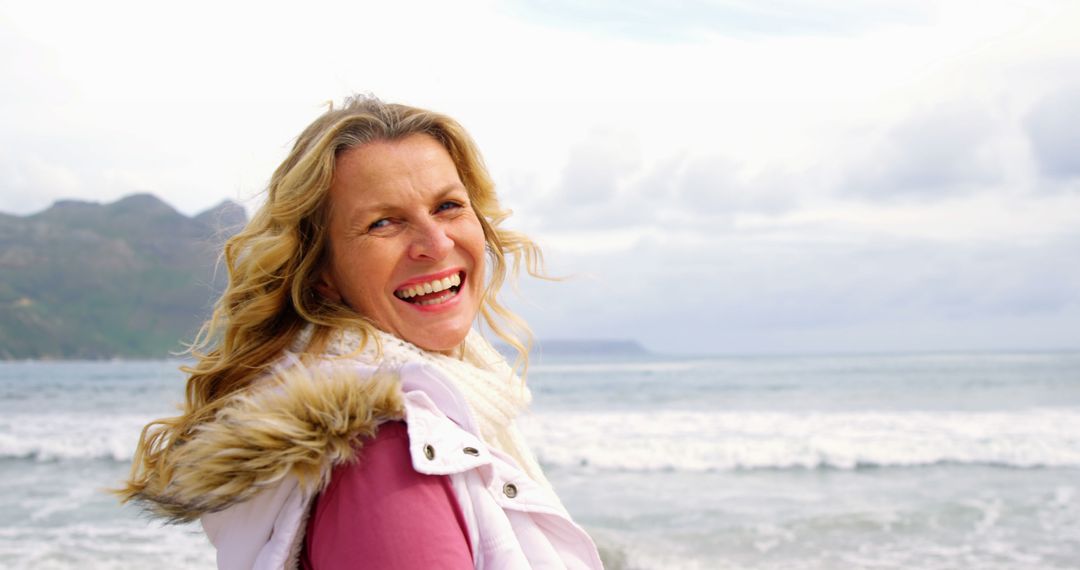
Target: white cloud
x,y
1054,128
656,20
682,295
34,181
951,148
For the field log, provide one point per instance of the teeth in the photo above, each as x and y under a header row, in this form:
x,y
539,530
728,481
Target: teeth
x,y
439,299
431,287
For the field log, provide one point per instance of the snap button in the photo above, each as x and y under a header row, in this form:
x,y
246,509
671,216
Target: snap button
x,y
471,451
429,451
510,490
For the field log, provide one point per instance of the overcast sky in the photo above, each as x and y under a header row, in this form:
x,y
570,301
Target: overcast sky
x,y
734,176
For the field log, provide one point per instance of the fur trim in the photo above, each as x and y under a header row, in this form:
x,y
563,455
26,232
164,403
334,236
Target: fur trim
x,y
301,422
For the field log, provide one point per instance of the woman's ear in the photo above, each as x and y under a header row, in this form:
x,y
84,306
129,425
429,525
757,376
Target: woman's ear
x,y
325,286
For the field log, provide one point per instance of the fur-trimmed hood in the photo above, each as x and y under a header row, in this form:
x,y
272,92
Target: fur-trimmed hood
x,y
302,421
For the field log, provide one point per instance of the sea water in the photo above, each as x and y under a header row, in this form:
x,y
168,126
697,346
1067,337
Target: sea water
x,y
929,461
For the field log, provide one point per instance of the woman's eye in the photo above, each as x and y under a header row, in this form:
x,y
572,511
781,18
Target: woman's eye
x,y
448,205
380,223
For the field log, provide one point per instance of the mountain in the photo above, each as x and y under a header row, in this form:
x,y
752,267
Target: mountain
x,y
132,278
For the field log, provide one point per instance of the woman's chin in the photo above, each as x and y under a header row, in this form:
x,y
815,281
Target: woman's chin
x,y
437,337
436,328
445,346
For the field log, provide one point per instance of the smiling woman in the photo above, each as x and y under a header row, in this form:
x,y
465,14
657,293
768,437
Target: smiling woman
x,y
343,413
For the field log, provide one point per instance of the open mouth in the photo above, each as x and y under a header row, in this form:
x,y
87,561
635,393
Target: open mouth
x,y
432,292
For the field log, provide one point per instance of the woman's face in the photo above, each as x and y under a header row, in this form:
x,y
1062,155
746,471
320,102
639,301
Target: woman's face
x,y
406,247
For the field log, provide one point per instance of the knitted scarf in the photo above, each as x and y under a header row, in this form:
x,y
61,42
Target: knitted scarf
x,y
493,391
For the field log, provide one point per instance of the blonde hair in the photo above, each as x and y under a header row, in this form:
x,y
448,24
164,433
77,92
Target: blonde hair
x,y
275,261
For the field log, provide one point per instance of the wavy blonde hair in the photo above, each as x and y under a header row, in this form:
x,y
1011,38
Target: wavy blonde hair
x,y
275,261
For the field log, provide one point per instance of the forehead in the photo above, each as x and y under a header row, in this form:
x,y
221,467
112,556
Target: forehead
x,y
415,164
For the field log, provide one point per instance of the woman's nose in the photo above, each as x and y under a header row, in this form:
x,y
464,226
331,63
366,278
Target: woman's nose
x,y
430,241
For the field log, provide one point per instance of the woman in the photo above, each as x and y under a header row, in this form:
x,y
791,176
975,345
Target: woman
x,y
342,412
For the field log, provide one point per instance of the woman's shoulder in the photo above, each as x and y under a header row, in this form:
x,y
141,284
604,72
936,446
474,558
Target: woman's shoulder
x,y
374,508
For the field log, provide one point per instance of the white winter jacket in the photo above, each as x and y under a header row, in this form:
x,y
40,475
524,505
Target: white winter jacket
x,y
251,474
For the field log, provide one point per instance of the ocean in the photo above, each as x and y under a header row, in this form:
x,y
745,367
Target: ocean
x,y
930,461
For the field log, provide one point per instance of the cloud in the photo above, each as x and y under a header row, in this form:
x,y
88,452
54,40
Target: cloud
x,y
661,21
592,190
597,167
33,182
688,294
717,184
607,185
1053,127
948,149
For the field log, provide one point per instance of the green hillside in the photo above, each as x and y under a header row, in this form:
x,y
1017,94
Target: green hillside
x,y
132,278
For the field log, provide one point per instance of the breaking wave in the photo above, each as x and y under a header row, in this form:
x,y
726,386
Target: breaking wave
x,y
679,440
722,441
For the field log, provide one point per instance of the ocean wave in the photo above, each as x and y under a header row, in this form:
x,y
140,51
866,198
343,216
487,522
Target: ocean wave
x,y
678,440
727,441
82,436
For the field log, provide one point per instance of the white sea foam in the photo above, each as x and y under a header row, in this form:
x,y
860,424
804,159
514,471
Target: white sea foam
x,y
70,436
679,440
109,544
703,441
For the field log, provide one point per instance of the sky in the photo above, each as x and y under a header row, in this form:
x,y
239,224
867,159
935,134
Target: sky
x,y
708,176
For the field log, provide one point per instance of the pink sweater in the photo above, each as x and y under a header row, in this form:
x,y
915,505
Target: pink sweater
x,y
378,512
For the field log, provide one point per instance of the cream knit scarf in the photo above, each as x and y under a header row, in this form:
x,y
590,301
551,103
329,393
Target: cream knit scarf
x,y
494,393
